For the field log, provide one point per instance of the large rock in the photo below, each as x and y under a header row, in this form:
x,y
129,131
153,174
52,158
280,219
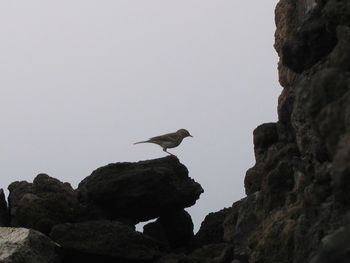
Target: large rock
x,y
103,241
42,204
174,229
142,190
20,245
4,214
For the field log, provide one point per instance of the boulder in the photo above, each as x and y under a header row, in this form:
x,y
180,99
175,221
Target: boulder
x,y
140,191
174,229
21,245
42,204
104,241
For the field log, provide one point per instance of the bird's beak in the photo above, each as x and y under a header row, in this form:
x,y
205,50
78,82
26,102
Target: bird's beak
x,y
191,135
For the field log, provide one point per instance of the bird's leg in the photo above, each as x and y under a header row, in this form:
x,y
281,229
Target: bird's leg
x,y
164,149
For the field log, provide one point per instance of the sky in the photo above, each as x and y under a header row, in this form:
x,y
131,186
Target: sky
x,y
82,80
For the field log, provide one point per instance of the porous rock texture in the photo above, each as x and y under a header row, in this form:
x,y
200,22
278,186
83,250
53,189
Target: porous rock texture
x,y
21,245
298,192
140,191
42,204
103,241
96,222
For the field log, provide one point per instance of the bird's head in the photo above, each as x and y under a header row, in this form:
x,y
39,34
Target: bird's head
x,y
184,133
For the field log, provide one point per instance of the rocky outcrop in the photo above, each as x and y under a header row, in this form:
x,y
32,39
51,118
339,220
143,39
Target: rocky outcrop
x,y
104,241
20,245
140,191
297,205
298,190
96,222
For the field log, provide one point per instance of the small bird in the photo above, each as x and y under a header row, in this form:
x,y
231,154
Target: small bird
x,y
169,140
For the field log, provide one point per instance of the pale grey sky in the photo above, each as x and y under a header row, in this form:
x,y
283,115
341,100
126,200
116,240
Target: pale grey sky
x,y
82,80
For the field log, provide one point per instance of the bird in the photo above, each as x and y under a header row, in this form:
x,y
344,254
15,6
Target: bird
x,y
169,140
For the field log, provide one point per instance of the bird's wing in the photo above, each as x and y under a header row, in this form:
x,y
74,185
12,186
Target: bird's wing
x,y
164,137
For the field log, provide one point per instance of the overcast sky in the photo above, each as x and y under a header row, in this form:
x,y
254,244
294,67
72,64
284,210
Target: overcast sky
x,y
82,80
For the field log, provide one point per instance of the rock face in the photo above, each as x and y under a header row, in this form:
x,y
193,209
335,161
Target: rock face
x,y
103,241
20,245
298,190
140,191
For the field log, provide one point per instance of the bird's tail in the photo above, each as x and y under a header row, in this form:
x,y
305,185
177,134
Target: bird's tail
x,y
141,142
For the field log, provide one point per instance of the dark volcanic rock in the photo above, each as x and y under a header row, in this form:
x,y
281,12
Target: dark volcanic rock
x,y
103,241
174,229
302,162
335,247
140,191
212,229
4,214
42,204
20,245
214,253
313,40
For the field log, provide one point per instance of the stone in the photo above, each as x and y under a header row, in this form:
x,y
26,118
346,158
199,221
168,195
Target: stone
x,y
174,229
42,204
4,214
140,191
213,253
335,247
21,245
104,241
313,40
212,229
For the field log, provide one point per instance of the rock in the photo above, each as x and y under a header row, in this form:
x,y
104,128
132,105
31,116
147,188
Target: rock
x,y
4,214
335,247
212,229
104,241
264,136
174,229
140,191
314,39
42,204
20,245
340,56
175,258
341,170
214,253
253,178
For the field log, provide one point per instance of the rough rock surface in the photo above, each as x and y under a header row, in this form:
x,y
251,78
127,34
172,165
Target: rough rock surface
x,y
174,229
103,241
298,190
212,229
42,204
20,245
140,191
